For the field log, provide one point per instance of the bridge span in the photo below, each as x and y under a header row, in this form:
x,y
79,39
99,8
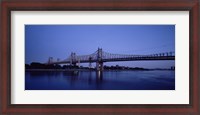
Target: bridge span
x,y
100,56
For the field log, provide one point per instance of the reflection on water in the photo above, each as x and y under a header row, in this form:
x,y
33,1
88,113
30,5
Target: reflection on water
x,y
106,80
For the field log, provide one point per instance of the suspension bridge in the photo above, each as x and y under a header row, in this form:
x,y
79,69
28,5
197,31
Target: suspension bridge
x,y
100,56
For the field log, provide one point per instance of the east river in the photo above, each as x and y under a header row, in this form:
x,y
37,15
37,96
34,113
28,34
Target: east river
x,y
106,80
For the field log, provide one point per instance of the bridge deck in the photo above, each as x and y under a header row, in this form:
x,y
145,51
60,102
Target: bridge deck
x,y
122,59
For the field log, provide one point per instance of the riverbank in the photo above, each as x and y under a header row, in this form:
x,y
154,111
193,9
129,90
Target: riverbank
x,y
95,70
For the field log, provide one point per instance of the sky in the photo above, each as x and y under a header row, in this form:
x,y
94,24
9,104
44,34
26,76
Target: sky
x,y
58,41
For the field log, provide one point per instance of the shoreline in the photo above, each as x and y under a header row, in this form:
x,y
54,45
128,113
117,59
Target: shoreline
x,y
63,70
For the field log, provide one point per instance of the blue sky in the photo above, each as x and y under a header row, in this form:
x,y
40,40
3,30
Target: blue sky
x,y
58,41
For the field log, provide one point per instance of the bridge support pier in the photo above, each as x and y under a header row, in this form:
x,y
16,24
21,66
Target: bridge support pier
x,y
74,64
99,66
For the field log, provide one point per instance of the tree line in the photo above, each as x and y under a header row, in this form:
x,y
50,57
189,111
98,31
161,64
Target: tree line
x,y
37,65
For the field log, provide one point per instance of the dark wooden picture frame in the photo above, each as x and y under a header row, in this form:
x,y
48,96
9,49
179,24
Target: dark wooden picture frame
x,y
193,108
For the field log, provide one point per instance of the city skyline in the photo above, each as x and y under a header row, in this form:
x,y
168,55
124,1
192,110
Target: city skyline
x,y
58,41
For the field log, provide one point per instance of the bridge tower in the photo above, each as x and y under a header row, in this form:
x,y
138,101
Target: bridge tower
x,y
90,62
73,59
99,63
78,62
50,60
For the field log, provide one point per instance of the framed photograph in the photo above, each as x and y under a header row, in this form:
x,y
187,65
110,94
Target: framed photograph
x,y
100,57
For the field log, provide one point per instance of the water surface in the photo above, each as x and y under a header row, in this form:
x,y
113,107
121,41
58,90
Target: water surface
x,y
107,80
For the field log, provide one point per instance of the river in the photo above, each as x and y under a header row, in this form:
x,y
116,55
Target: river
x,y
106,80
